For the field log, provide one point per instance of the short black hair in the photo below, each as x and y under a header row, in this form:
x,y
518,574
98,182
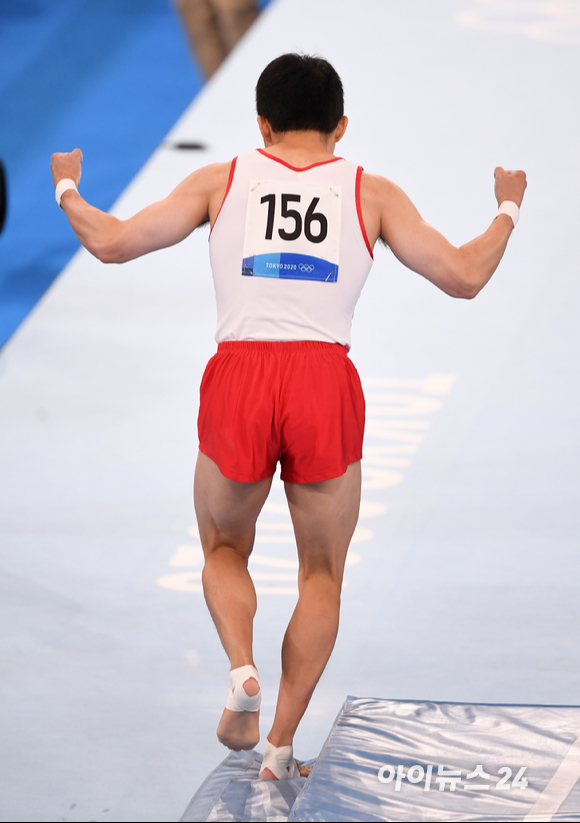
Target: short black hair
x,y
298,92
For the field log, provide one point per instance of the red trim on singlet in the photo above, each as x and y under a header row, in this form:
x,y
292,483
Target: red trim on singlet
x,y
295,168
359,172
228,187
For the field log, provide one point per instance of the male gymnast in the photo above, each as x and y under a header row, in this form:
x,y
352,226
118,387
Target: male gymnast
x,y
292,233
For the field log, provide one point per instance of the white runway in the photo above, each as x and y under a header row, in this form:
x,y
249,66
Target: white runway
x,y
464,578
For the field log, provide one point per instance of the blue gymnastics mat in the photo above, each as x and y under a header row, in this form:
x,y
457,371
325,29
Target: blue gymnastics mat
x,y
416,761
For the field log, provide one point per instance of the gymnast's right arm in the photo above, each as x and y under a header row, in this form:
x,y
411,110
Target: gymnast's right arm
x,y
157,226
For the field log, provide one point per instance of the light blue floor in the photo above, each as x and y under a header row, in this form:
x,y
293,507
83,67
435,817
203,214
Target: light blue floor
x,y
464,585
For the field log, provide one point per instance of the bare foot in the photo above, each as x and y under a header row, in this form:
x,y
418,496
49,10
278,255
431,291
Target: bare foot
x,y
266,774
240,730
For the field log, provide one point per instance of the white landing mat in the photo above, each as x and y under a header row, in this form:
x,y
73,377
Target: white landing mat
x,y
234,791
406,760
415,761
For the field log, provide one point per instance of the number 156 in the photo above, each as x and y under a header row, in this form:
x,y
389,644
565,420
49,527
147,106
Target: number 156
x,y
310,217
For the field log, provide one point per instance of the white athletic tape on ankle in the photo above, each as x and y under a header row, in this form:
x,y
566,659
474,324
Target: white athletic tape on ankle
x,y
511,209
62,186
280,761
238,700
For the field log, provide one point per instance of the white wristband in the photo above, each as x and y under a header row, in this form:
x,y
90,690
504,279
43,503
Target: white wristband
x,y
511,209
62,186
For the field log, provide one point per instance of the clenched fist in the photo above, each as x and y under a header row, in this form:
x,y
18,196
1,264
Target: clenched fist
x,y
509,185
66,164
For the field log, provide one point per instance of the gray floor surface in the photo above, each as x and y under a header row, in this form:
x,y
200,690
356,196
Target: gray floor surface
x,y
464,576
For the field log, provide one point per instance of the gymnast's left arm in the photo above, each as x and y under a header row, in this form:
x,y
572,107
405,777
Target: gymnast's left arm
x,y
157,226
460,272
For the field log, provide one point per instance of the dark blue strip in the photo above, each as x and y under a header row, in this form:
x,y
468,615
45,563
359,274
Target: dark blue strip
x,y
108,76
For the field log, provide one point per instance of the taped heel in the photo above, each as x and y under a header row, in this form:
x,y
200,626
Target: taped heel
x,y
238,700
280,761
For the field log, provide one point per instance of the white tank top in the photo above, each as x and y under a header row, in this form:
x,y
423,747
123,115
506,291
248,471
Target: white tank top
x,y
289,251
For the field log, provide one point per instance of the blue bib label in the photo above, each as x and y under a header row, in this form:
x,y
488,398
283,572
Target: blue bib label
x,y
287,265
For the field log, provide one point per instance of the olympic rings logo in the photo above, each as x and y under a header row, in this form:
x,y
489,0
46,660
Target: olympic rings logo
x,y
306,267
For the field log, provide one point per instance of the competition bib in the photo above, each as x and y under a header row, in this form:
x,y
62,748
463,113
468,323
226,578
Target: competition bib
x,y
292,231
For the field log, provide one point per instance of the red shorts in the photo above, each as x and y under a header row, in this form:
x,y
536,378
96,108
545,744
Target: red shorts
x,y
298,402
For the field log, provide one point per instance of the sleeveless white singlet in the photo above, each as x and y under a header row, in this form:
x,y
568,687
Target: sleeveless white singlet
x,y
289,252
